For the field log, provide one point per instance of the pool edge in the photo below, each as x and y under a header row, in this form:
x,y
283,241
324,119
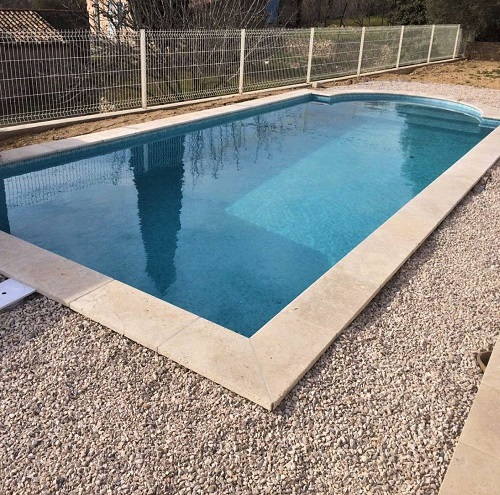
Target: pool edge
x,y
274,359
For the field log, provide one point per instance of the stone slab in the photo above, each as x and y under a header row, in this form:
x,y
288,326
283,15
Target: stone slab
x,y
224,357
471,472
492,373
54,276
14,249
25,153
482,427
140,317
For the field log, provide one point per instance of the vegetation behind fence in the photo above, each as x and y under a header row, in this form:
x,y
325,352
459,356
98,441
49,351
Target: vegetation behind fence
x,y
79,73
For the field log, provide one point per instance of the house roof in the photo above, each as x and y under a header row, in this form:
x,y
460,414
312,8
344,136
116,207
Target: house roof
x,y
20,25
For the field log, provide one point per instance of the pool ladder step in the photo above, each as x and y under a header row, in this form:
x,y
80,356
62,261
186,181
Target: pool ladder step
x,y
12,292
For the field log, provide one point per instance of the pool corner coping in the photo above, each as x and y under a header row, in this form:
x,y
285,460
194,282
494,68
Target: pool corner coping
x,y
266,366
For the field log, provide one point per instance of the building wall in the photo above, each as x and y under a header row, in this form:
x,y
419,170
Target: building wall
x,y
100,12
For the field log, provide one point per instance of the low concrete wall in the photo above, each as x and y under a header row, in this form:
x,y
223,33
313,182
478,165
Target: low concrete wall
x,y
477,50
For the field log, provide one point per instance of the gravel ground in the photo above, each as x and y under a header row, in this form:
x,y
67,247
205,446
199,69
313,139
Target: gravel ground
x,y
83,410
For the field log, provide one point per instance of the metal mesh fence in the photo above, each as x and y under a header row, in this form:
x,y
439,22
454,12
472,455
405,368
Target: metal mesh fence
x,y
415,45
335,53
380,50
75,73
443,42
185,65
275,58
114,71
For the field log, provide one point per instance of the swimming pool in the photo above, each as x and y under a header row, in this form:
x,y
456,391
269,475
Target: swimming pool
x,y
272,215
233,219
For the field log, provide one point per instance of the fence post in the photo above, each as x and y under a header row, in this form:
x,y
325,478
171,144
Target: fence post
x,y
430,44
242,61
456,42
144,86
400,46
363,30
310,56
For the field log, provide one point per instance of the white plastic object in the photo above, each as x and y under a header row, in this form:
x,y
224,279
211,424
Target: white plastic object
x,y
12,291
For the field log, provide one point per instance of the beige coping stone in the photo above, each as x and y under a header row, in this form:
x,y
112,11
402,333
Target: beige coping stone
x,y
156,125
140,317
490,112
492,373
441,196
24,153
52,147
208,113
184,118
14,249
471,472
475,466
376,259
482,427
52,275
224,357
258,102
75,142
288,345
112,134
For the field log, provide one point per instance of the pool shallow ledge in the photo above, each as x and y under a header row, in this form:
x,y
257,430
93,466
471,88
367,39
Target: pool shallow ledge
x,y
264,367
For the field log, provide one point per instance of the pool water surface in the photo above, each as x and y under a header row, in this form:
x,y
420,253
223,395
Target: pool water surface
x,y
232,219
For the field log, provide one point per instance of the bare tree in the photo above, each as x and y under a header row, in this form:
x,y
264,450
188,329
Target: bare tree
x,y
323,12
180,14
199,54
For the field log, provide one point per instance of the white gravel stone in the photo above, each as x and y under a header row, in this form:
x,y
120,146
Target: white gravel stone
x,y
84,410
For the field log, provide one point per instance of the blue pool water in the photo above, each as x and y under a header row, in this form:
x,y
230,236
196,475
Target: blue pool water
x,y
233,218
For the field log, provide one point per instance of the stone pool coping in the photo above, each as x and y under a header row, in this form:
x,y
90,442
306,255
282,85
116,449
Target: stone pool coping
x,y
475,466
264,367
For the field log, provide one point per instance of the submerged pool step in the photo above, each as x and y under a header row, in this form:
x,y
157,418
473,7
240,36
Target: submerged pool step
x,y
12,291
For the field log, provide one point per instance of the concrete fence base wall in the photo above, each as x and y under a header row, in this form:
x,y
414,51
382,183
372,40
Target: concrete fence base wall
x,y
477,50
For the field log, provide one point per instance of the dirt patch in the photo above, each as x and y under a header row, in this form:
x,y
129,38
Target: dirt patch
x,y
476,73
79,129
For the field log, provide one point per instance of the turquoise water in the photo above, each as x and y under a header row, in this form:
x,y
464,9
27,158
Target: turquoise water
x,y
232,219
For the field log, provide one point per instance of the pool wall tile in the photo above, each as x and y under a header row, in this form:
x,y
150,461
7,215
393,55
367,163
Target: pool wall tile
x,y
140,317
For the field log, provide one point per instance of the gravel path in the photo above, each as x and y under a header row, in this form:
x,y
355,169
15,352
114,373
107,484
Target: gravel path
x,y
83,410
